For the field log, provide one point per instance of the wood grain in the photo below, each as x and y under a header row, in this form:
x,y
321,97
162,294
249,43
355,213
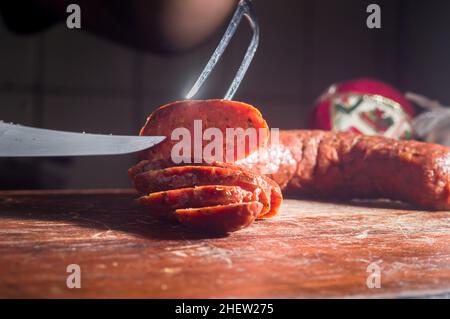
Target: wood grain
x,y
311,249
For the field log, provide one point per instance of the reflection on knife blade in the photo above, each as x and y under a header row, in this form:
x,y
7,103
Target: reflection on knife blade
x,y
23,141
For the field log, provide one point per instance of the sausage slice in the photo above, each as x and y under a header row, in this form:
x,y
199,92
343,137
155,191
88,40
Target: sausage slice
x,y
218,114
221,218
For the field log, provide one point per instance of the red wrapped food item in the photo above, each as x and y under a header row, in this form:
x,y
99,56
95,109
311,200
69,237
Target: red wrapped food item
x,y
364,106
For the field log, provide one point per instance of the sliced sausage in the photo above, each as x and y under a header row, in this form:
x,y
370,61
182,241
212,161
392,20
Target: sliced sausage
x,y
164,203
221,218
187,176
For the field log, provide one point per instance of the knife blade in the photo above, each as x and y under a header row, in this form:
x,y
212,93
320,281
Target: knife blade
x,y
22,141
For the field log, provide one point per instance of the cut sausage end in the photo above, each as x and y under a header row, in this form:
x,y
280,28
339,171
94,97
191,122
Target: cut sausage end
x,y
218,114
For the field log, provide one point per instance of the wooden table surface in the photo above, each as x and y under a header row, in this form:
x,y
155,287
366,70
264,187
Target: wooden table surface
x,y
311,249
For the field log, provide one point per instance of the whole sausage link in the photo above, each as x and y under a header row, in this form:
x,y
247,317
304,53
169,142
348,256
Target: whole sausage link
x,y
345,165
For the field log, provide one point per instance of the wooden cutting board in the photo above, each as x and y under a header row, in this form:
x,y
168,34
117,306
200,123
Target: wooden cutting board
x,y
311,249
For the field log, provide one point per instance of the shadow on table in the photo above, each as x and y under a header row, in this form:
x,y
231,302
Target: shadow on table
x,y
115,212
373,203
119,212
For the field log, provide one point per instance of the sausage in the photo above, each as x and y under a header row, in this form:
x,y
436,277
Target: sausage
x,y
221,218
157,176
269,186
302,163
177,177
164,203
220,114
347,165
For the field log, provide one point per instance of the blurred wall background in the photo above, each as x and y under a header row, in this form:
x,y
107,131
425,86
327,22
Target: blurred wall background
x,y
71,80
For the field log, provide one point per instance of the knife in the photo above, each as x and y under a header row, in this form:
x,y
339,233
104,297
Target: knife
x,y
22,141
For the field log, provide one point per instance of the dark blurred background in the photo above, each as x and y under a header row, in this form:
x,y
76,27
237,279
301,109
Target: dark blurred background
x,y
76,81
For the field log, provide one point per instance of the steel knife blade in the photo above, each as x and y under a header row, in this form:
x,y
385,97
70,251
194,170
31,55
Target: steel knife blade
x,y
22,141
